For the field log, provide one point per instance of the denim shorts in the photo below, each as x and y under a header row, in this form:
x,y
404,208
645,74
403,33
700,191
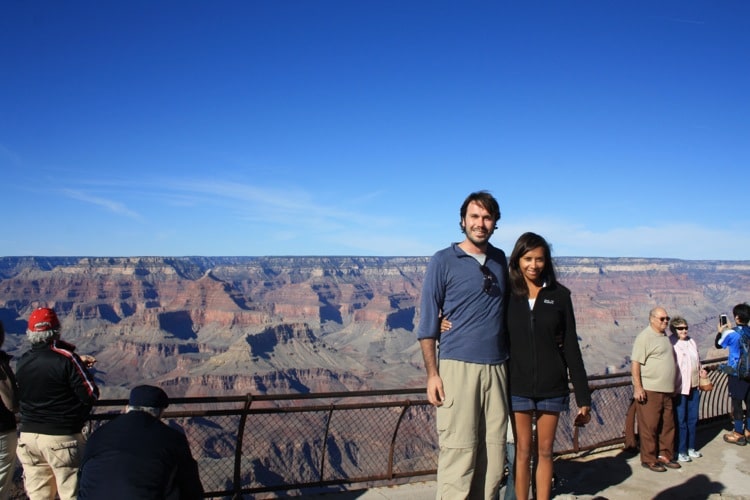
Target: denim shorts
x,y
554,405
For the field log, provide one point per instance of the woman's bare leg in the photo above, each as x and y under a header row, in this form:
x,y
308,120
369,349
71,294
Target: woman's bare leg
x,y
522,422
546,426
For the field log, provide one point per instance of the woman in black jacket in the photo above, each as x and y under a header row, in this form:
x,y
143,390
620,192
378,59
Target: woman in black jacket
x,y
544,351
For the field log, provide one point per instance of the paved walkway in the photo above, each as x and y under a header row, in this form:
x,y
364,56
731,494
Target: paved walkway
x,y
722,473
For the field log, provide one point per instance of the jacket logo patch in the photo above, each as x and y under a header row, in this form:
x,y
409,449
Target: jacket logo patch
x,y
549,301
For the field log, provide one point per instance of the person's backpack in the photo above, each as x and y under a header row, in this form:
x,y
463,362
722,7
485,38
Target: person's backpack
x,y
742,370
743,365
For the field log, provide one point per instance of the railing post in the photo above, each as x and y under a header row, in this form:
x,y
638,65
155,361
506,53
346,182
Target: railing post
x,y
325,442
238,449
406,406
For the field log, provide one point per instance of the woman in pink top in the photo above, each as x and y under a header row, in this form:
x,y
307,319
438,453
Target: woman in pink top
x,y
687,402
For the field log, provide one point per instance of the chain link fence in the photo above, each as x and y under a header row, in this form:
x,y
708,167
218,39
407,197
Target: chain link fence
x,y
256,446
265,446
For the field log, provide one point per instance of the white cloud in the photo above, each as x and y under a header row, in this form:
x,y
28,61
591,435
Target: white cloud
x,y
312,223
287,206
111,205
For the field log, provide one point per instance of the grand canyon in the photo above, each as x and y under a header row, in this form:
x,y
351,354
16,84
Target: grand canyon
x,y
234,325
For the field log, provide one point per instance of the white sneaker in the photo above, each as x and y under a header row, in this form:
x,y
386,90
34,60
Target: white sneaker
x,y
683,458
694,454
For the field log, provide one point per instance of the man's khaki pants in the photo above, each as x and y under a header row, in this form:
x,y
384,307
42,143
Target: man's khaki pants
x,y
8,443
50,464
472,425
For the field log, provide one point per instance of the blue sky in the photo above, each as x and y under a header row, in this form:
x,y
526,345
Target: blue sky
x,y
322,127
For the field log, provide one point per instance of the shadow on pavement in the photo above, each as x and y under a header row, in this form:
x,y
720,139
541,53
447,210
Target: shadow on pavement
x,y
592,476
699,486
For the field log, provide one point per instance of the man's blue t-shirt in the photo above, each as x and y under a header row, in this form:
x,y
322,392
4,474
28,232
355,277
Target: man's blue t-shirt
x,y
455,284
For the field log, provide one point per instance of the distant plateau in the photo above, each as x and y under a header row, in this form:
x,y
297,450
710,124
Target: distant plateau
x,y
233,325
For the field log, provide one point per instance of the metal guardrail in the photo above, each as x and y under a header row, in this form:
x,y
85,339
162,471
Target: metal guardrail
x,y
611,396
255,444
258,445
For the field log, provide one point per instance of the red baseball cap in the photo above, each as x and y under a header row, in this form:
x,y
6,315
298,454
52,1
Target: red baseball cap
x,y
43,319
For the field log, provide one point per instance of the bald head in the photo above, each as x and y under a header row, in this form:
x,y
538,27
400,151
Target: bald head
x,y
658,319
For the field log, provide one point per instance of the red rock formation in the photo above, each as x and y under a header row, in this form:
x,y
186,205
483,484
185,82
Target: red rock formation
x,y
235,325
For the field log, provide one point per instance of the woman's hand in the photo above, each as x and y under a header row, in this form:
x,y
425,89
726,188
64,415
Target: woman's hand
x,y
583,416
445,325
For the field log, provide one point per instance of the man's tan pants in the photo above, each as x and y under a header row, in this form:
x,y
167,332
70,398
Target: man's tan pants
x,y
50,464
472,425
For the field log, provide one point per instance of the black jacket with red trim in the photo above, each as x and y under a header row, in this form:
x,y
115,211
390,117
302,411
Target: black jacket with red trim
x,y
56,391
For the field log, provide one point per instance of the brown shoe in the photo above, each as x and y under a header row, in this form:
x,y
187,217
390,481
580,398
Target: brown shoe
x,y
669,463
735,438
655,466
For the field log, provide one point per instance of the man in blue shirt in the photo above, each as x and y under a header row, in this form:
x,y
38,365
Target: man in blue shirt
x,y
467,284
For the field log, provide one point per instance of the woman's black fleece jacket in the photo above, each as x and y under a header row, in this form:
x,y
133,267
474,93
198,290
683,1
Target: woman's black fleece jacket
x,y
544,347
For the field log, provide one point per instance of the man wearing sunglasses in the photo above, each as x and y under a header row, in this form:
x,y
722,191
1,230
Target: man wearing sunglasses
x,y
654,372
467,380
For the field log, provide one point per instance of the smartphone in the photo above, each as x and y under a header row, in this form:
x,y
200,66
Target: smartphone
x,y
723,320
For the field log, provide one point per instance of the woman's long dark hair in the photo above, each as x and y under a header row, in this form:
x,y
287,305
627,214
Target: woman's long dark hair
x,y
527,242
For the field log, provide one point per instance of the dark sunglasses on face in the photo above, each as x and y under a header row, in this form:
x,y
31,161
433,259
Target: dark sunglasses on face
x,y
666,318
680,328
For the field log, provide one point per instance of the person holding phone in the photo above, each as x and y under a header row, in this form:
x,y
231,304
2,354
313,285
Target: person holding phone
x,y
739,390
544,354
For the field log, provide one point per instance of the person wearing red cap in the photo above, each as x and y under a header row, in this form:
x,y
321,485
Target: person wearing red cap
x,y
56,393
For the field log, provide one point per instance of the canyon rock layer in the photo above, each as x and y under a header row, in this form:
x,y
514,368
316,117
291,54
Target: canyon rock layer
x,y
234,325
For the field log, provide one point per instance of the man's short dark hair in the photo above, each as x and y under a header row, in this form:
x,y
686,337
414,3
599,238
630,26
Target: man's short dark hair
x,y
485,200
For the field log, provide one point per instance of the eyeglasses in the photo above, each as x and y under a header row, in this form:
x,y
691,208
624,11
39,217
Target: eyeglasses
x,y
487,284
680,328
666,318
